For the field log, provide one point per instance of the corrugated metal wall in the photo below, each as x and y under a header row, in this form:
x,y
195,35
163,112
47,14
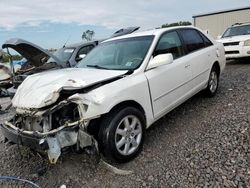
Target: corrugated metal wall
x,y
216,24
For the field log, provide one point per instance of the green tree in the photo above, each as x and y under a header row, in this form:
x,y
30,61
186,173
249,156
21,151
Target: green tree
x,y
4,57
88,35
181,23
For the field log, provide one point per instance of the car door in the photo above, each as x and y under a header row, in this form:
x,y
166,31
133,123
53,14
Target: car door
x,y
199,49
169,84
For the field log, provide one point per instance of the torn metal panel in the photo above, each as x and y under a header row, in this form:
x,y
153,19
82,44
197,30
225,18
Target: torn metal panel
x,y
114,169
84,139
61,140
54,150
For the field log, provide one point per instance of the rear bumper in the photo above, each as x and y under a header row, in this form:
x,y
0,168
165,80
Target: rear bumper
x,y
21,138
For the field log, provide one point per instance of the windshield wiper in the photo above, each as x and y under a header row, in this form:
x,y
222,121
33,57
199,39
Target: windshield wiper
x,y
97,66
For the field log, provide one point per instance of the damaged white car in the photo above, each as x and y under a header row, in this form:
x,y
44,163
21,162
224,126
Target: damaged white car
x,y
117,91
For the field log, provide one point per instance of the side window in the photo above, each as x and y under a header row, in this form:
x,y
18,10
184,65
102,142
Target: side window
x,y
206,40
170,43
192,40
85,50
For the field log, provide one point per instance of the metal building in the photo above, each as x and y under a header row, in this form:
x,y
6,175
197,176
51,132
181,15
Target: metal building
x,y
215,23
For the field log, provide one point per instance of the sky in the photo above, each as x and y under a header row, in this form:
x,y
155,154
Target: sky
x,y
50,23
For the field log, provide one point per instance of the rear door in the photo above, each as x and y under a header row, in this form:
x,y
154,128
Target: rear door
x,y
199,49
169,84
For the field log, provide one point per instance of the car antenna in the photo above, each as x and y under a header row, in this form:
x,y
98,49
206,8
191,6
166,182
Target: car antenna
x,y
66,41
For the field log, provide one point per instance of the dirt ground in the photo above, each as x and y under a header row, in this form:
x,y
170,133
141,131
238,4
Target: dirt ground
x,y
203,143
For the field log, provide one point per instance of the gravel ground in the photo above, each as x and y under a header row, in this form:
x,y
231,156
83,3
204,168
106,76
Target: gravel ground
x,y
203,143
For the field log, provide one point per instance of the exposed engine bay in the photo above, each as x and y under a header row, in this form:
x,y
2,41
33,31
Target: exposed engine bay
x,y
52,129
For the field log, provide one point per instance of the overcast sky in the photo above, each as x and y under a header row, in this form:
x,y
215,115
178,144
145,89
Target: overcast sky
x,y
50,22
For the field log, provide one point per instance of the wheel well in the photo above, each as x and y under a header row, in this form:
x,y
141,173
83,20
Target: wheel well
x,y
94,126
216,65
129,103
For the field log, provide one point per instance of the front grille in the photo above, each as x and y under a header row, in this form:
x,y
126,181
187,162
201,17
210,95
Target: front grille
x,y
231,43
232,52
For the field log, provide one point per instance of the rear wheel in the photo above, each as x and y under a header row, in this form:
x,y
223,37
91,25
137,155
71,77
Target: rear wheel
x,y
122,134
213,83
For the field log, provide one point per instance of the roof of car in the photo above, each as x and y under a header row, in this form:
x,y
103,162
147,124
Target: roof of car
x,y
154,32
240,24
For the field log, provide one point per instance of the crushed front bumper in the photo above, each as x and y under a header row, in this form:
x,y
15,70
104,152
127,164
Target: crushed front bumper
x,y
18,137
51,142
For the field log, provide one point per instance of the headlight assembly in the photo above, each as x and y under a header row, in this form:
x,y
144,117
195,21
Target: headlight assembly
x,y
247,43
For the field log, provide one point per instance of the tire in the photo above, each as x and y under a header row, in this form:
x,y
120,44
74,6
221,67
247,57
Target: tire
x,y
213,83
121,135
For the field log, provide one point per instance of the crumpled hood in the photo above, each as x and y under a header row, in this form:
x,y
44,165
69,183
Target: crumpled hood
x,y
234,39
42,89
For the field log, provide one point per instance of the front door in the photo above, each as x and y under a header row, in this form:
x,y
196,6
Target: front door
x,y
169,84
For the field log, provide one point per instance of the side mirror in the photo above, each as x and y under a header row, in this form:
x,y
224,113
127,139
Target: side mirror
x,y
80,57
219,37
159,60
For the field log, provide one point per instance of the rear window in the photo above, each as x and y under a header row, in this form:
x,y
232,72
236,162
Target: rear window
x,y
192,39
206,40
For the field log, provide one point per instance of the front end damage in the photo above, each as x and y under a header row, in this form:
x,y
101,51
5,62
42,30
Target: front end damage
x,y
51,129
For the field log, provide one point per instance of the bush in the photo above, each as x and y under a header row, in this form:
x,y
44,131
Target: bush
x,y
181,23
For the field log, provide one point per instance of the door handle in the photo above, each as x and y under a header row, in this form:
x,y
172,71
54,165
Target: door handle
x,y
186,66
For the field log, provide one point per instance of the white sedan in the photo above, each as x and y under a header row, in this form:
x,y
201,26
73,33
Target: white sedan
x,y
117,91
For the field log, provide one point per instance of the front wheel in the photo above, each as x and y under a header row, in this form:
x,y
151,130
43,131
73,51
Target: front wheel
x,y
122,134
213,83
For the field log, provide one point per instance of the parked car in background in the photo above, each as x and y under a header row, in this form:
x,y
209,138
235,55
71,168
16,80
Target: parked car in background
x,y
118,90
73,53
35,61
236,40
38,59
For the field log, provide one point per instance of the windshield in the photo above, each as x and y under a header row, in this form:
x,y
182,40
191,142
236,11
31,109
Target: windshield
x,y
121,54
63,54
239,30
